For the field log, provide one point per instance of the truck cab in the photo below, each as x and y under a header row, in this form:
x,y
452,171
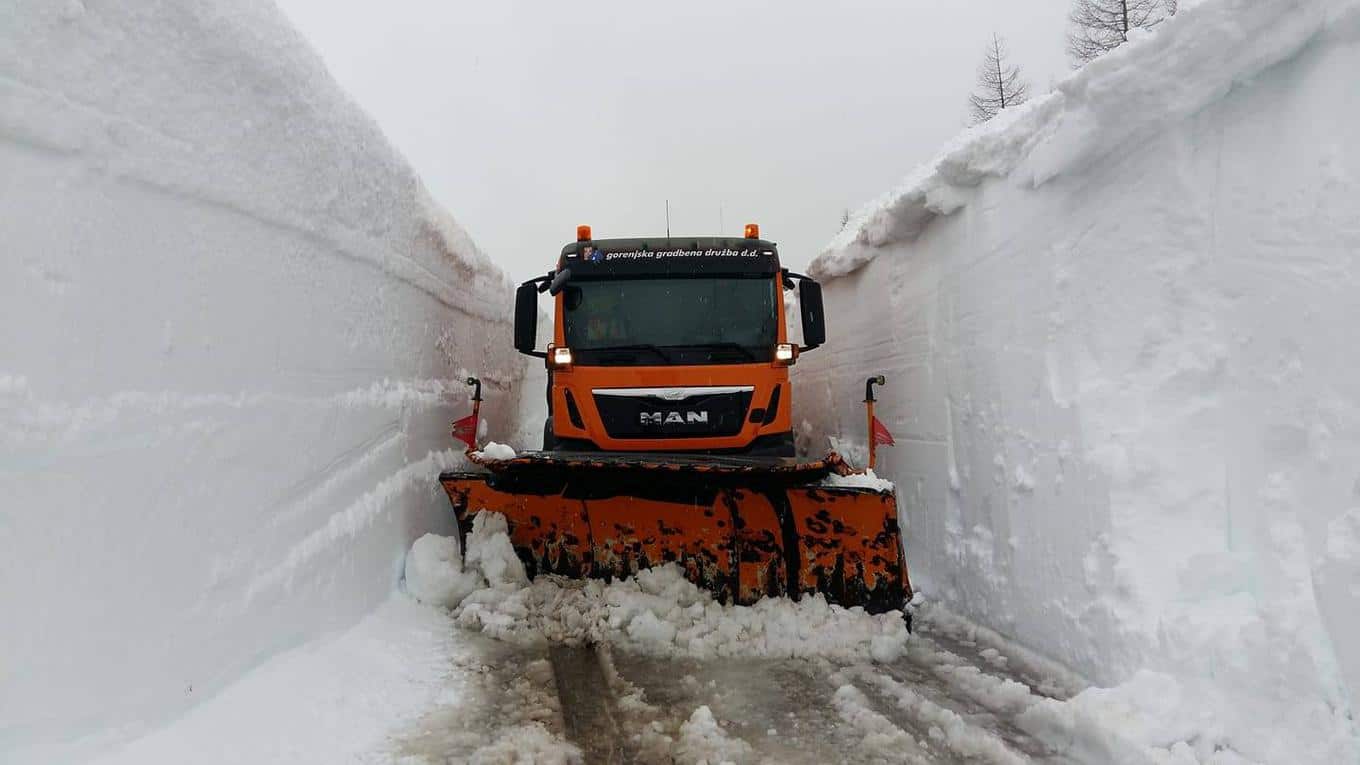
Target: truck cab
x,y
671,344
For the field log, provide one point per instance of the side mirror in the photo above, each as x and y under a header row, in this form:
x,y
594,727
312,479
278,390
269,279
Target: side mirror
x,y
526,318
814,319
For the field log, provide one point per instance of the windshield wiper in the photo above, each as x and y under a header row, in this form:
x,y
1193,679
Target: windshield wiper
x,y
725,346
636,347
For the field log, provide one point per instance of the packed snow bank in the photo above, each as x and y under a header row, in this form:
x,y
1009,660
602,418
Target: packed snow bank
x,y
332,701
657,612
1116,328
235,330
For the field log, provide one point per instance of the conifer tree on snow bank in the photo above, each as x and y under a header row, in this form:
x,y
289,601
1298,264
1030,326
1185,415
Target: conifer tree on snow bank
x,y
1099,26
1000,85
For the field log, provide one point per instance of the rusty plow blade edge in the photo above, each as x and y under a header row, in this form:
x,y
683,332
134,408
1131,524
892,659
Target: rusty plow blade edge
x,y
742,535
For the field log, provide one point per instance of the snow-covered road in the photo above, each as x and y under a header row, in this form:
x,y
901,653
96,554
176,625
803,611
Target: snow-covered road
x,y
493,668
950,698
650,670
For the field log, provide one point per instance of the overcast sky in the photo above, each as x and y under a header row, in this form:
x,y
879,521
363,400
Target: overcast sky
x,y
527,118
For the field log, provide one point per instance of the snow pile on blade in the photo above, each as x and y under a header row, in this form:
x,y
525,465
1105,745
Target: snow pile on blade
x,y
866,480
658,612
495,451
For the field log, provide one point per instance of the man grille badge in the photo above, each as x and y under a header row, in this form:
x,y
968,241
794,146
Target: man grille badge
x,y
673,418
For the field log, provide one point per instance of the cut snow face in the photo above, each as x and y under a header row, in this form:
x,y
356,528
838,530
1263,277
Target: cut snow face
x,y
1117,327
232,307
657,612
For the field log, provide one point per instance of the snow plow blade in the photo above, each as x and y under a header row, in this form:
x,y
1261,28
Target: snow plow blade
x,y
741,528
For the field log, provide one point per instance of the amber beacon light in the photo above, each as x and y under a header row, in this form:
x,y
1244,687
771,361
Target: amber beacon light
x,y
752,230
583,233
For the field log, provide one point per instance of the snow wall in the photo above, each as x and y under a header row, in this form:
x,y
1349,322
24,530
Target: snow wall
x,y
233,331
1119,330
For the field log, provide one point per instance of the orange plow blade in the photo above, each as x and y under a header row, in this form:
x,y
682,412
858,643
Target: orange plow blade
x,y
742,530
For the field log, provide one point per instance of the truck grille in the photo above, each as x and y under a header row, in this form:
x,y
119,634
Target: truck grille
x,y
703,412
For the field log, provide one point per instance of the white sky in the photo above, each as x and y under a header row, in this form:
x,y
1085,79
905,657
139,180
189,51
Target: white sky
x,y
527,118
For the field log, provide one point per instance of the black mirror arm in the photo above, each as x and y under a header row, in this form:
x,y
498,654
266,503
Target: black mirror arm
x,y
786,278
541,282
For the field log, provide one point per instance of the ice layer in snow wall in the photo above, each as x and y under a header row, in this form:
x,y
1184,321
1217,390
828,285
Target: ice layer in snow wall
x,y
1126,392
233,331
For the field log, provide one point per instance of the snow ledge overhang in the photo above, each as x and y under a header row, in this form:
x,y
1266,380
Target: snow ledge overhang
x,y
1154,80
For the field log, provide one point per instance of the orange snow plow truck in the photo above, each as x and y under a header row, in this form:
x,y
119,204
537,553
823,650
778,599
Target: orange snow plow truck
x,y
669,436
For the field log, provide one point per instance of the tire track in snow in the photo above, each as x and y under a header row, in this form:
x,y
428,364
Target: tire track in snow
x,y
587,703
972,644
949,682
500,705
934,683
686,710
883,740
961,735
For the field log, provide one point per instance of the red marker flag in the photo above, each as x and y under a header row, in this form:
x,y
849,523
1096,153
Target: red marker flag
x,y
465,430
881,435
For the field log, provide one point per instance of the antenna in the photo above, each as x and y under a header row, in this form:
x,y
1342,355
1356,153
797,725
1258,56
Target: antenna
x,y
668,219
721,227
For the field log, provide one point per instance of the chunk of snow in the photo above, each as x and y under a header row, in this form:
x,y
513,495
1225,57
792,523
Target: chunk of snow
x,y
491,553
437,574
434,572
702,740
495,451
647,628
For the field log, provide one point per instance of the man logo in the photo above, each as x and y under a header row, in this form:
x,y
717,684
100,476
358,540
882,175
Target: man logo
x,y
673,418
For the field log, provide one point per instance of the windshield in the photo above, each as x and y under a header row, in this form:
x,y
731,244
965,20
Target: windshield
x,y
675,320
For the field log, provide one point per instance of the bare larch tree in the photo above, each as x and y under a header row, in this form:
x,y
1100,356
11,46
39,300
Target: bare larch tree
x,y
1000,85
1099,26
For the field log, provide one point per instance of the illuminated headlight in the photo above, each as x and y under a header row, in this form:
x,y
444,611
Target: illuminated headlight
x,y
785,353
561,357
